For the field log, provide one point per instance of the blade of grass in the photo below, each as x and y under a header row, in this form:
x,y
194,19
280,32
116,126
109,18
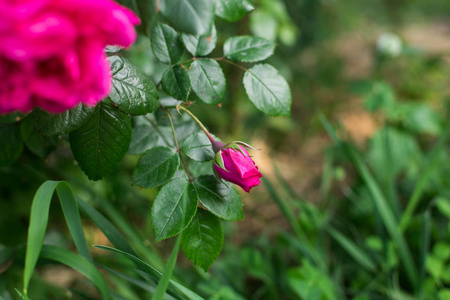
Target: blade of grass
x,y
287,212
39,220
179,291
381,204
168,270
108,229
429,163
78,263
425,248
353,250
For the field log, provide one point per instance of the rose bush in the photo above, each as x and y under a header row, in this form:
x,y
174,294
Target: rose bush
x,y
234,164
52,51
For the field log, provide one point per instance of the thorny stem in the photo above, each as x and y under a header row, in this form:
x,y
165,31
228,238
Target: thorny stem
x,y
178,146
198,122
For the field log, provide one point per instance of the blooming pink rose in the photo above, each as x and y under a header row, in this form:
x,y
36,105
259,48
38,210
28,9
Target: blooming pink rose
x,y
52,51
237,166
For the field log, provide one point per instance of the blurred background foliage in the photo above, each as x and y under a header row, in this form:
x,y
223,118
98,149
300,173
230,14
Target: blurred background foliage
x,y
368,136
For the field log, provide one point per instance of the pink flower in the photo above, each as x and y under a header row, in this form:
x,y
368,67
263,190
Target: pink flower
x,y
233,163
52,51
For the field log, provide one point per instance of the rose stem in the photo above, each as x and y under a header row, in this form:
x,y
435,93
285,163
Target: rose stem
x,y
199,123
178,147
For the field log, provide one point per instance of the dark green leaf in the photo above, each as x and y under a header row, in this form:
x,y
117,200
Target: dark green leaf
x,y
166,44
11,118
156,167
173,208
133,91
11,145
176,82
208,81
99,145
39,220
203,239
191,16
233,10
63,123
220,198
248,48
268,91
37,143
200,45
143,137
198,147
79,263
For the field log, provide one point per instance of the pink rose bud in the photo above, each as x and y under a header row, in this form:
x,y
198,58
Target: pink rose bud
x,y
52,51
233,163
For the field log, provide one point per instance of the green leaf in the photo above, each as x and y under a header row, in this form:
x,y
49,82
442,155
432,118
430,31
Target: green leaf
x,y
220,198
233,10
99,145
12,117
166,44
37,143
208,81
176,82
173,208
353,250
39,220
198,147
203,239
78,263
11,146
63,123
132,90
155,274
200,45
191,16
163,283
156,167
248,48
143,137
268,91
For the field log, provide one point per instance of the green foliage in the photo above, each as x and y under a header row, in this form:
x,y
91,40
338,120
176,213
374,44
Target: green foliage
x,y
248,48
203,238
267,90
133,91
198,147
100,143
173,208
208,80
12,145
176,82
156,167
233,10
166,44
200,45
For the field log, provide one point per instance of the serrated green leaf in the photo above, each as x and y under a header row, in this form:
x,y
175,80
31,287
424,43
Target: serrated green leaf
x,y
176,82
37,143
132,90
156,167
63,123
99,145
200,45
208,81
220,198
173,208
143,137
248,48
268,91
11,145
233,10
166,44
198,147
203,239
191,16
